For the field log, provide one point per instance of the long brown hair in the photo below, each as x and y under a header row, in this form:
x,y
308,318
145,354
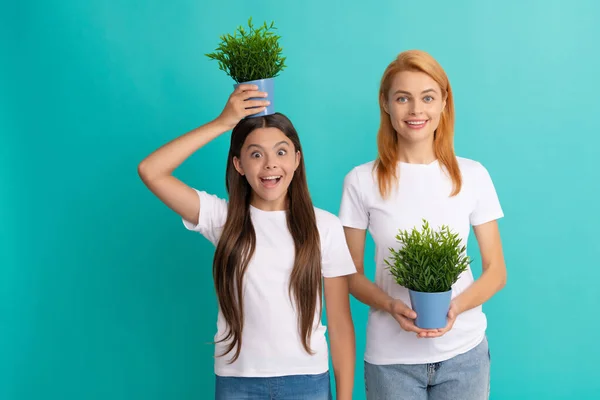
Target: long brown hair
x,y
387,138
238,240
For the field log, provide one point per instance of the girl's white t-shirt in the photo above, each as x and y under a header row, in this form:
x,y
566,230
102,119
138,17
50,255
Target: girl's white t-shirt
x,y
423,192
271,344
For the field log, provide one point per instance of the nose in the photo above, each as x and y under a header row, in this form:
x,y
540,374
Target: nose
x,y
270,162
416,108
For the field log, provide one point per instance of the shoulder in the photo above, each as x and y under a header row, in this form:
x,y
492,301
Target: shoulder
x,y
326,219
474,173
330,227
361,173
211,197
212,203
328,223
366,168
471,168
468,164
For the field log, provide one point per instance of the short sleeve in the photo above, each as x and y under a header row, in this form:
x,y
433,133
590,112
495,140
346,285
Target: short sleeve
x,y
487,206
213,213
353,212
336,258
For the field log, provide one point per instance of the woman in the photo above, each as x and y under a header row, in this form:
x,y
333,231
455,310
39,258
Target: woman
x,y
417,176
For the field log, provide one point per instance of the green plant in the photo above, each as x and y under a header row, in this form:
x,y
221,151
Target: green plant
x,y
250,55
428,261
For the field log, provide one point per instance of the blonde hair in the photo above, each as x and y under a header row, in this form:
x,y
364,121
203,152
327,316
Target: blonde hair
x,y
387,139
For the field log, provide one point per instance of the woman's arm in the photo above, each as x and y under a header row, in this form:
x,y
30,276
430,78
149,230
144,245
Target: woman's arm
x,y
493,276
341,334
157,168
369,293
492,279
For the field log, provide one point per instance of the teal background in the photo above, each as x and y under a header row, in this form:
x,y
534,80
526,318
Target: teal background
x,y
104,295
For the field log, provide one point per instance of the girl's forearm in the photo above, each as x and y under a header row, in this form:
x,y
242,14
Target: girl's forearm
x,y
343,354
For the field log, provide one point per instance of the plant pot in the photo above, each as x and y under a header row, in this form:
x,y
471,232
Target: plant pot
x,y
264,85
431,308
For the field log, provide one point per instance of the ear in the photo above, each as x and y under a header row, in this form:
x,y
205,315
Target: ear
x,y
238,166
384,104
298,156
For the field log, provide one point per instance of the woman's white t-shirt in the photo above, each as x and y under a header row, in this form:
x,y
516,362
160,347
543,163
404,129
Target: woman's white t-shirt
x,y
423,192
271,344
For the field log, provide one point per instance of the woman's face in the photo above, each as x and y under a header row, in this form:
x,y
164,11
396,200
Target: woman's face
x,y
414,104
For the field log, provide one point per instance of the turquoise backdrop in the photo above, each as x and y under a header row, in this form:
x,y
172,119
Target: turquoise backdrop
x,y
104,295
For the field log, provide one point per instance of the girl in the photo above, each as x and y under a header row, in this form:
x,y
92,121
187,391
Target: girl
x,y
272,248
417,175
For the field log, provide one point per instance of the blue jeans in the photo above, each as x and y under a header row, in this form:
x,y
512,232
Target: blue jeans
x,y
291,387
463,377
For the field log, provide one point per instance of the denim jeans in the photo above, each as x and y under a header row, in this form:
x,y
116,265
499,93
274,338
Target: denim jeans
x,y
463,377
291,387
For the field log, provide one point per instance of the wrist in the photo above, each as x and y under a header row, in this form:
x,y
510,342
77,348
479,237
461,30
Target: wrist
x,y
220,124
389,305
458,305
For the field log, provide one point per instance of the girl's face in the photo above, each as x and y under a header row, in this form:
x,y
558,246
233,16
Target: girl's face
x,y
415,104
268,160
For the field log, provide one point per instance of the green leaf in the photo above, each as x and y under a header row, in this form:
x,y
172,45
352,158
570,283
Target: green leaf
x,y
250,54
427,260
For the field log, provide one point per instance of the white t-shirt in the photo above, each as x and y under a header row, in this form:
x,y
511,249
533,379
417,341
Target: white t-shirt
x,y
423,192
271,344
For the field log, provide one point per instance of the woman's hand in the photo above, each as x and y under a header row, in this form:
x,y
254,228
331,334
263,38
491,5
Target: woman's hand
x,y
406,318
452,314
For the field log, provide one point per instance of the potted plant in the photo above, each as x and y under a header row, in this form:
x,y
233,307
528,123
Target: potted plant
x,y
252,56
428,263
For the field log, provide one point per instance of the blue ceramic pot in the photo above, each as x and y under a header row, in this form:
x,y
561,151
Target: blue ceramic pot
x,y
431,308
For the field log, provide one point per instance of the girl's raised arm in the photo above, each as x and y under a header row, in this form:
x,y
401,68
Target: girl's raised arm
x,y
156,169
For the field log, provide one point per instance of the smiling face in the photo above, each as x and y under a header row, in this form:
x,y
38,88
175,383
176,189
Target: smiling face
x,y
414,103
268,160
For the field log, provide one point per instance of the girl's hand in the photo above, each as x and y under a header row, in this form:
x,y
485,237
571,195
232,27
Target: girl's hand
x,y
238,106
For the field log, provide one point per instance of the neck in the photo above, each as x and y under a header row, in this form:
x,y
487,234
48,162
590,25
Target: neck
x,y
269,205
416,153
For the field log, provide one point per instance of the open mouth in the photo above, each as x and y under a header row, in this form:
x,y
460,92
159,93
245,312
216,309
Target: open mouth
x,y
416,124
270,181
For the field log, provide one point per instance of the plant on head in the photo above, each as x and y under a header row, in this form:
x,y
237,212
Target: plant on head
x,y
429,260
251,54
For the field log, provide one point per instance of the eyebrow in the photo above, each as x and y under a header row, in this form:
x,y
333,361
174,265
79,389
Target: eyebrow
x,y
408,93
261,148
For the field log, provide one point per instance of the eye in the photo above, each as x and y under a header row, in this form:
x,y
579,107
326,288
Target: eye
x,y
428,99
281,152
256,154
402,99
